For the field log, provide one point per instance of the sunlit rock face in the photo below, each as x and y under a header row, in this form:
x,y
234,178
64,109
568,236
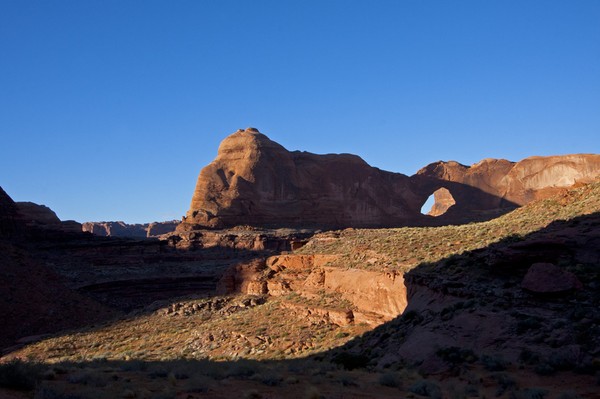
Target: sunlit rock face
x,y
494,186
255,181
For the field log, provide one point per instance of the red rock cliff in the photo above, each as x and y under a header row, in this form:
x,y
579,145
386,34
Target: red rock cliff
x,y
255,181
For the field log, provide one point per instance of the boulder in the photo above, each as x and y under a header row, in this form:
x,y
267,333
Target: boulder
x,y
547,278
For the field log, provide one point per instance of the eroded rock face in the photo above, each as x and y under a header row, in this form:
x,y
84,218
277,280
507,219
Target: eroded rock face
x,y
156,229
255,181
376,296
493,185
115,229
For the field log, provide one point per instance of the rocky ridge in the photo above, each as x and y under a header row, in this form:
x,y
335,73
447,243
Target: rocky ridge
x,y
255,181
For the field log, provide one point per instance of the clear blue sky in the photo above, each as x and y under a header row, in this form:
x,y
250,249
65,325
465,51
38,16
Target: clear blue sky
x,y
109,109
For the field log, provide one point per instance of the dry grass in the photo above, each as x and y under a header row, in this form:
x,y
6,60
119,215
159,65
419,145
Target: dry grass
x,y
402,249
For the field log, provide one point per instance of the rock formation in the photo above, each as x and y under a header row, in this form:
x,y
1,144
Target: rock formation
x,y
156,229
40,217
122,229
114,229
255,181
495,185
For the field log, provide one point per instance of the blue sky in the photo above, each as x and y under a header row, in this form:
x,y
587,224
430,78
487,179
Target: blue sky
x,y
109,109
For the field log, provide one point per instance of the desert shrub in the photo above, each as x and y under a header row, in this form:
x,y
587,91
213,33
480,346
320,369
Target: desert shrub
x,y
568,395
241,369
455,355
544,369
158,372
95,380
49,393
270,379
134,365
530,323
412,316
19,375
312,393
531,393
197,383
505,383
341,334
560,362
351,361
426,388
347,380
528,357
390,380
471,391
493,363
253,394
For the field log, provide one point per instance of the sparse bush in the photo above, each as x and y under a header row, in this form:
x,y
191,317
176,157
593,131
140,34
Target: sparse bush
x,y
270,379
560,362
530,323
347,380
471,391
49,393
455,355
568,395
253,394
158,373
134,365
528,357
241,369
426,388
493,363
350,361
531,393
412,316
544,369
390,380
505,383
312,393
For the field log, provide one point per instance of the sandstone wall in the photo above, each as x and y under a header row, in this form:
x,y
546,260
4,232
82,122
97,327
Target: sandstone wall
x,y
255,181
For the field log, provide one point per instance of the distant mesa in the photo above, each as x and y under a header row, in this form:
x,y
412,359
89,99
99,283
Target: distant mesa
x,y
122,229
256,181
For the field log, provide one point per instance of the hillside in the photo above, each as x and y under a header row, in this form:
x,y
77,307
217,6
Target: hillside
x,y
471,327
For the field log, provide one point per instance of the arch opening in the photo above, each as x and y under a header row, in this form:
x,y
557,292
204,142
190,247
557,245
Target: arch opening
x,y
438,203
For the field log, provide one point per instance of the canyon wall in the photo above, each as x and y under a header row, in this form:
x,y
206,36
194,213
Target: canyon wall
x,y
255,181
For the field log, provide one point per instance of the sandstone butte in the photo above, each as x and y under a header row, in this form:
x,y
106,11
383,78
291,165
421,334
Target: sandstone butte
x,y
256,181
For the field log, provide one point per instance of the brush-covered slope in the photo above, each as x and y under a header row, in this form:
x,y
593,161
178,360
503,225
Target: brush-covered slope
x,y
471,327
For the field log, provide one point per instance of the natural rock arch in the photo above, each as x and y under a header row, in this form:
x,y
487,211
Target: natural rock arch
x,y
442,201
